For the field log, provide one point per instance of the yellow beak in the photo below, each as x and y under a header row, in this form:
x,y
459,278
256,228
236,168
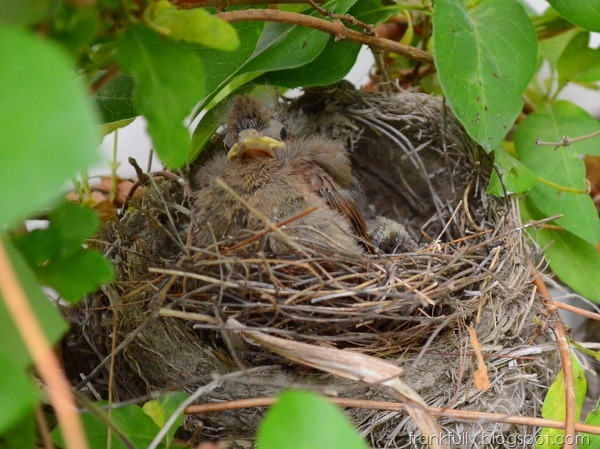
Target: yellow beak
x,y
255,146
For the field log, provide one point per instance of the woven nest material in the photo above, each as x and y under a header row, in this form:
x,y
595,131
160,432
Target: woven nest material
x,y
165,320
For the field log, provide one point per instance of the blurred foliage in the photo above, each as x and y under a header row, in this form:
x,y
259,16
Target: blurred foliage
x,y
72,66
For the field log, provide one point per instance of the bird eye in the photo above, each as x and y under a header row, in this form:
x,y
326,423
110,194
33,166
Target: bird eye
x,y
283,133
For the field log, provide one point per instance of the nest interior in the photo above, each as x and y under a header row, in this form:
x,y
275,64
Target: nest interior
x,y
163,324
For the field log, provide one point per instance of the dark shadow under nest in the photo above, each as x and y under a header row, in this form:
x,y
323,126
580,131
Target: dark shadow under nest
x,y
168,311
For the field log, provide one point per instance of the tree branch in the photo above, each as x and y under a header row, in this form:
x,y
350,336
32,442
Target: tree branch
x,y
224,3
336,29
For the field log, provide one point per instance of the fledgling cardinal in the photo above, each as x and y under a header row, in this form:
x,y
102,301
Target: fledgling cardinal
x,y
280,175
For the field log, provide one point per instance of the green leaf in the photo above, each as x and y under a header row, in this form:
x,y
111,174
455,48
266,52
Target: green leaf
x,y
108,128
338,57
561,166
22,435
593,419
574,260
221,67
72,225
301,419
50,124
196,26
17,393
12,348
516,177
170,81
278,47
160,411
115,99
373,12
131,420
579,63
585,13
26,12
485,58
57,256
283,46
16,390
76,28
554,406
552,48
77,274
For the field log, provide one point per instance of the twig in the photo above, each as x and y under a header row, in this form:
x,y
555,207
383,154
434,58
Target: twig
x,y
481,379
577,310
106,77
219,3
273,227
43,428
193,397
260,234
565,358
344,17
43,356
566,140
462,415
335,29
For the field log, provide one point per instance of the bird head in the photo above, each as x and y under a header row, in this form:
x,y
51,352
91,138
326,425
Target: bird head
x,y
252,131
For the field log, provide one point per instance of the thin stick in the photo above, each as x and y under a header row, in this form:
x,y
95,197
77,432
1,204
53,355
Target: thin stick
x,y
260,234
577,310
566,140
45,360
336,29
273,227
462,415
344,17
219,3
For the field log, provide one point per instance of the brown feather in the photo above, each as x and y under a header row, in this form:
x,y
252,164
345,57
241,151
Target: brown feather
x,y
336,198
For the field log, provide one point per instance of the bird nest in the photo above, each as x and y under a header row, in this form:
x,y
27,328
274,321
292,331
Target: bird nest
x,y
167,321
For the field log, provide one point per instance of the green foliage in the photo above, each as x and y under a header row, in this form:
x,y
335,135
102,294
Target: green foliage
x,y
593,419
165,96
516,177
115,99
574,260
22,435
485,58
137,425
561,171
48,124
160,411
284,54
16,389
585,13
578,63
56,254
196,26
555,405
301,419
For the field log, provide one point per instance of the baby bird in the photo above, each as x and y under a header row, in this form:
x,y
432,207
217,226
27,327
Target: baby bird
x,y
279,175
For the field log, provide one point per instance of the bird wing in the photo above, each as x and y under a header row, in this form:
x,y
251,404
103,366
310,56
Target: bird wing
x,y
336,198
